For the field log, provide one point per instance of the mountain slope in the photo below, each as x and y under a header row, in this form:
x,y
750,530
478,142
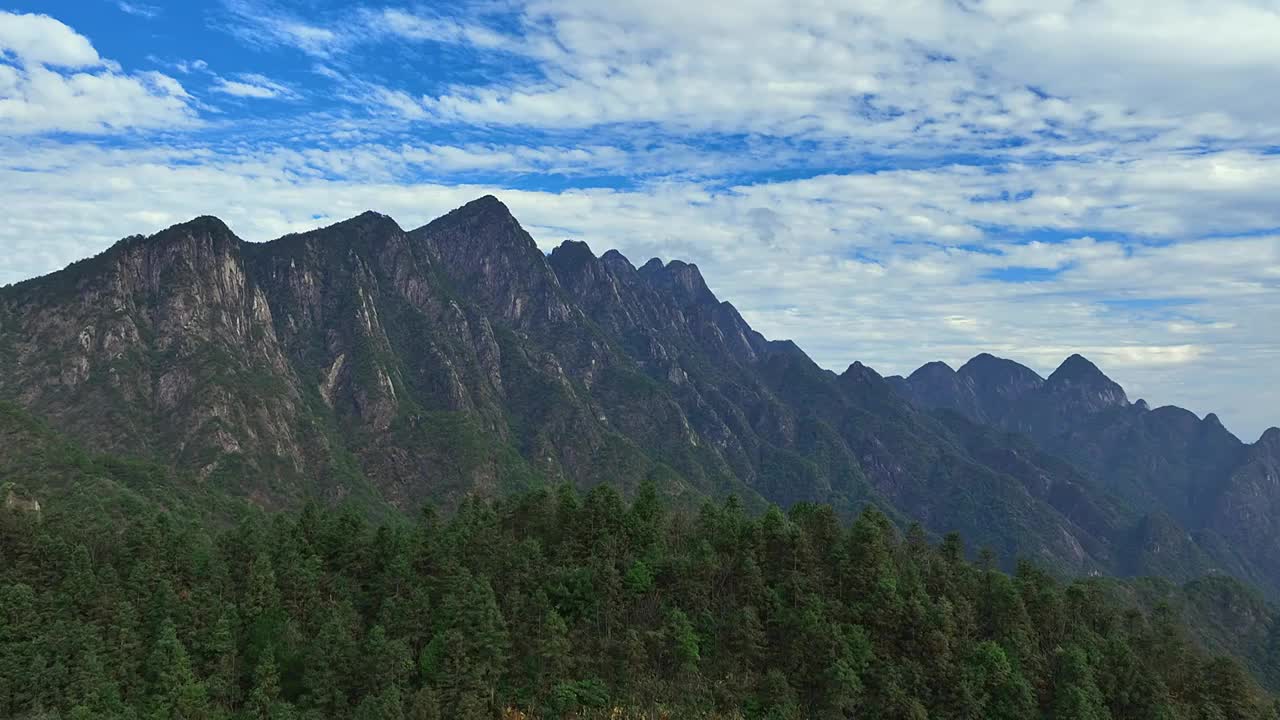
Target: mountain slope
x,y
366,363
1205,493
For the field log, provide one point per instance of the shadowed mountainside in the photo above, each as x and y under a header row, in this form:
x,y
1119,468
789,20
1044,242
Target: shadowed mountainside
x,y
365,363
1201,487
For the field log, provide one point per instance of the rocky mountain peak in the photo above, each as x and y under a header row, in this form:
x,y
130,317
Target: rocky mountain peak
x,y
987,369
202,223
484,225
482,247
859,372
1082,389
575,265
371,219
571,254
616,261
1270,440
930,371
982,359
367,225
1077,368
204,227
486,205
681,279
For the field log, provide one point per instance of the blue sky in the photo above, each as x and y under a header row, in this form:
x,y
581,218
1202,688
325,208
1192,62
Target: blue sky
x,y
892,182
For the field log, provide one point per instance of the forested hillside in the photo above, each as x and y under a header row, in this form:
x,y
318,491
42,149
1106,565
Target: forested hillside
x,y
550,605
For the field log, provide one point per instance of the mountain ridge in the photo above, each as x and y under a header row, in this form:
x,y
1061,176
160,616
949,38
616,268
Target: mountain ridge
x,y
361,360
1190,469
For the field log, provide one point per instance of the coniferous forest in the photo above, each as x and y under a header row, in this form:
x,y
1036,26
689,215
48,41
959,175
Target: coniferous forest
x,y
639,360
552,605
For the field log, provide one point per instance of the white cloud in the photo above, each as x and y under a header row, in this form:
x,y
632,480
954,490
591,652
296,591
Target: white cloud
x,y
40,94
40,40
267,24
187,67
832,272
264,24
398,22
39,100
253,85
139,9
919,74
1012,124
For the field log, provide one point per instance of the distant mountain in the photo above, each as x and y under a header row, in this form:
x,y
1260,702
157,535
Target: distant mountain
x,y
1191,476
367,364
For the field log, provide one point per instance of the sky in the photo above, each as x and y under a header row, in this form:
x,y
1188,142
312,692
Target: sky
x,y
890,181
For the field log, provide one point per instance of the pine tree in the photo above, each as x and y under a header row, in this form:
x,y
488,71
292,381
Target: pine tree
x,y
224,669
553,652
387,663
264,701
175,692
1075,692
424,706
330,662
382,705
468,654
18,628
999,690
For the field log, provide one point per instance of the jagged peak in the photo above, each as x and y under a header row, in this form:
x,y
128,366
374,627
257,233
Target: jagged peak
x,y
370,216
486,203
1212,426
859,371
573,259
931,369
686,270
485,207
1168,413
681,278
1270,439
208,223
75,272
369,219
617,261
202,225
482,226
1078,368
1077,372
986,362
574,251
367,223
653,265
788,347
199,225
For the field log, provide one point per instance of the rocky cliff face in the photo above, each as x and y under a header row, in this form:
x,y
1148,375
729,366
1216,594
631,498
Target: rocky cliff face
x,y
163,345
1208,499
1245,509
364,362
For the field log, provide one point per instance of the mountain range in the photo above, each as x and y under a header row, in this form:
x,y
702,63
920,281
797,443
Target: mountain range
x,y
1198,485
368,364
